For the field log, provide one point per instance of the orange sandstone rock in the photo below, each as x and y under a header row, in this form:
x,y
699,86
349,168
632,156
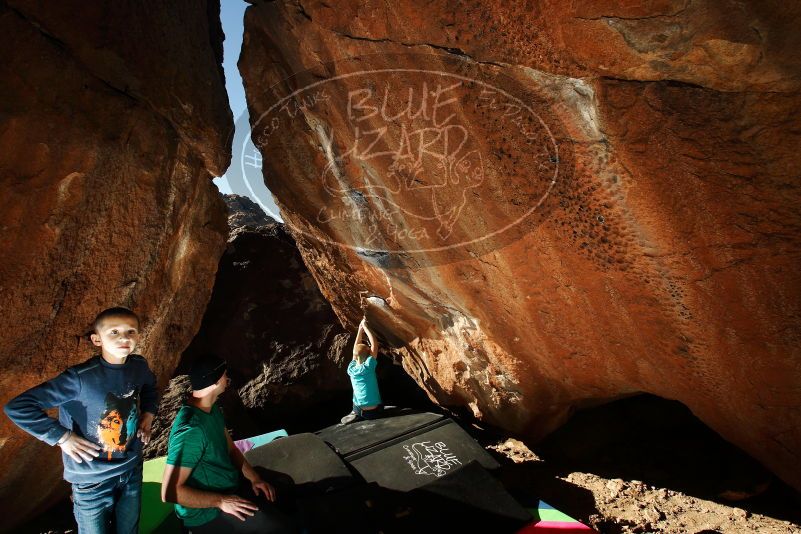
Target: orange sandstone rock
x,y
552,204
113,122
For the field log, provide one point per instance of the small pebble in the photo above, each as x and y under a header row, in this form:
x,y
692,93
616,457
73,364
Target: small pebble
x,y
739,513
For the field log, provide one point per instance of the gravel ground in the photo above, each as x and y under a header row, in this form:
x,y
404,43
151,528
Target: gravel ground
x,y
614,505
646,464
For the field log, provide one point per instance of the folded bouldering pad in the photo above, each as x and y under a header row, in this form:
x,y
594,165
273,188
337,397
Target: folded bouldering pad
x,y
306,470
469,499
246,444
302,460
155,516
353,438
406,451
548,520
426,474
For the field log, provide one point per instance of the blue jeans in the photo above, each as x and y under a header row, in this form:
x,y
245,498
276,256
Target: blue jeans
x,y
109,506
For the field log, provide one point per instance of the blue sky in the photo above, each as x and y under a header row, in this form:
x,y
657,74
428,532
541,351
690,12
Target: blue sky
x,y
232,14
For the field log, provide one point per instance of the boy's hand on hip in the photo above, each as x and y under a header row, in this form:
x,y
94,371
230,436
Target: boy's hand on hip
x,y
145,427
267,490
80,449
237,506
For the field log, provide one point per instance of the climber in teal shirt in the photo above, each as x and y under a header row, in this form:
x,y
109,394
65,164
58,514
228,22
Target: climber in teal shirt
x,y
366,398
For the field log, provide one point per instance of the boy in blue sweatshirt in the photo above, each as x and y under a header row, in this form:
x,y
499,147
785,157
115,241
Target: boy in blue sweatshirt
x,y
361,370
105,409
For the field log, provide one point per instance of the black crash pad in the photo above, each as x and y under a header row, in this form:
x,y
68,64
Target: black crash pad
x,y
466,500
408,472
315,483
406,451
301,460
355,437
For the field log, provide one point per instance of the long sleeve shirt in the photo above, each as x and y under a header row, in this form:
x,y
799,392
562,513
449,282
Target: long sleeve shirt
x,y
98,401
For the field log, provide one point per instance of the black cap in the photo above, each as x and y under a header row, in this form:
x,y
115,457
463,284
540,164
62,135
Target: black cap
x,y
206,371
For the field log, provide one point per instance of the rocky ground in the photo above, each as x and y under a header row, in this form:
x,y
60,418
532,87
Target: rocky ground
x,y
614,505
656,469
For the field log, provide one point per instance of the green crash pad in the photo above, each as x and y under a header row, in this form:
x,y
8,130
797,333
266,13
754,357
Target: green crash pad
x,y
156,516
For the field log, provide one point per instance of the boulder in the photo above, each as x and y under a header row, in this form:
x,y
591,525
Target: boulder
x,y
112,123
244,213
550,205
286,351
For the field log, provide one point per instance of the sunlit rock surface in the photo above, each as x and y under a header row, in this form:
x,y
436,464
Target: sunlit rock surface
x,y
113,119
551,204
286,351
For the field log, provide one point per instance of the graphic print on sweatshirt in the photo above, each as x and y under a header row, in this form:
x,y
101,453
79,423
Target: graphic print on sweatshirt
x,y
117,424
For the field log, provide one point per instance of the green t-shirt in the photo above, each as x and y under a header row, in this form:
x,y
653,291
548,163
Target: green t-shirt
x,y
198,440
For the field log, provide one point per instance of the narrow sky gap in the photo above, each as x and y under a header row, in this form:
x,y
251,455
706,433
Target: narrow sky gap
x,y
232,13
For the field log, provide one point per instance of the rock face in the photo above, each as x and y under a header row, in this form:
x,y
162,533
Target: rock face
x,y
287,353
285,348
551,204
244,213
112,123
